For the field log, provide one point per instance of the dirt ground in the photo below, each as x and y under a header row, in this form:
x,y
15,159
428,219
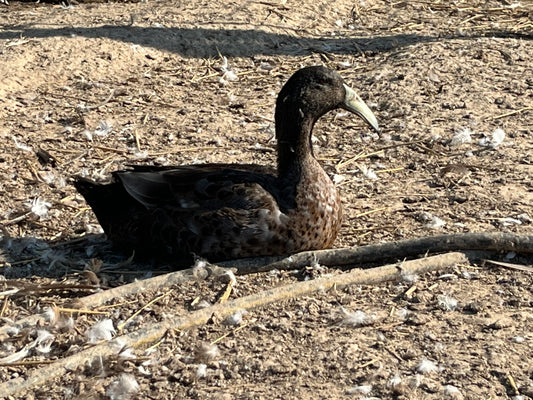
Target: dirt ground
x,y
87,88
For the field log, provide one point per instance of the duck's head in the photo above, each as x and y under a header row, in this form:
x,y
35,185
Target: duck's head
x,y
313,91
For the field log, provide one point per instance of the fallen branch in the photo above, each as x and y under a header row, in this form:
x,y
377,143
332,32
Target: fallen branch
x,y
153,333
382,252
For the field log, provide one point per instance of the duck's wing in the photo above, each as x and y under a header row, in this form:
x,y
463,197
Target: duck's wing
x,y
208,210
198,187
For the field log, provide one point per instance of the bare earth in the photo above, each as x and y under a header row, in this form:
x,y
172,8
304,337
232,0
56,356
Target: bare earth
x,y
97,86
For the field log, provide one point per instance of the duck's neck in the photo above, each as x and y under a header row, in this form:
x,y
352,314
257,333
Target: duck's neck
x,y
295,150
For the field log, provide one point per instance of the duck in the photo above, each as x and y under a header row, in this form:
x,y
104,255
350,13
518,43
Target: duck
x,y
220,212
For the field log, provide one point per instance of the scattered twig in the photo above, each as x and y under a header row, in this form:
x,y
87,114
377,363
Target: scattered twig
x,y
227,292
381,171
21,262
229,333
182,150
410,291
137,139
74,159
104,148
123,324
373,361
201,78
525,268
370,212
15,220
80,311
116,267
394,354
393,146
31,363
359,156
107,100
513,383
29,288
514,112
4,306
17,42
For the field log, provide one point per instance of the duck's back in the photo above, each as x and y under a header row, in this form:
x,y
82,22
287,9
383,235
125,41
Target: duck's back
x,y
217,212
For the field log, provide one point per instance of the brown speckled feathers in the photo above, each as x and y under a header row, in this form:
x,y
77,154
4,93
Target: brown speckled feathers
x,y
221,212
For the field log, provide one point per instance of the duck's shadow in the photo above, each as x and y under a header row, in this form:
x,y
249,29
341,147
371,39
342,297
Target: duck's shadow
x,y
28,257
206,42
32,257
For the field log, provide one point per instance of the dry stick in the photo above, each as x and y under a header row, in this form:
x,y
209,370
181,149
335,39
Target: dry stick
x,y
7,222
508,114
183,150
485,241
381,171
31,288
26,363
517,267
370,212
79,311
111,149
153,333
4,306
121,326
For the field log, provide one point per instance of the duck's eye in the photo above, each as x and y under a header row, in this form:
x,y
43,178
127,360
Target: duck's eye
x,y
323,83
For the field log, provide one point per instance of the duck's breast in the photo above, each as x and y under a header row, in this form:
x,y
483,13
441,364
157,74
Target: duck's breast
x,y
316,220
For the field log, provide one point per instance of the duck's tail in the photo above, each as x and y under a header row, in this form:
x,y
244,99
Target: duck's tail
x,y
99,196
109,201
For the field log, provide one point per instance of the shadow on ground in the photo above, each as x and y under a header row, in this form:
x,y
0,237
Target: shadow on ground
x,y
29,256
204,42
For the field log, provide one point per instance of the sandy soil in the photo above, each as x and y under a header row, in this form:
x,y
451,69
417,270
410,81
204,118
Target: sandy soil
x,y
88,88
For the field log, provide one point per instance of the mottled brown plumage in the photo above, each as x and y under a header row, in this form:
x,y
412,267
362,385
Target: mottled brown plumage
x,y
222,211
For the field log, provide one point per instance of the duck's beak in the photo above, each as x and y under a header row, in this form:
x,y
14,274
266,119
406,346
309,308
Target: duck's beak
x,y
353,103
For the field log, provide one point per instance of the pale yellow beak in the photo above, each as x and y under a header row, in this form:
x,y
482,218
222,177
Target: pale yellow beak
x,y
353,103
